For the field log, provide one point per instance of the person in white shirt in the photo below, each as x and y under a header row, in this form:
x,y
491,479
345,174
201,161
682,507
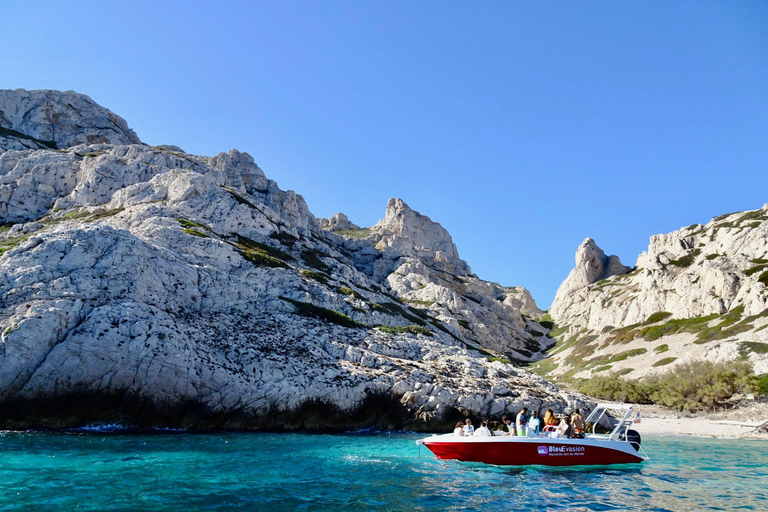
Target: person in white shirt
x,y
468,428
484,431
458,431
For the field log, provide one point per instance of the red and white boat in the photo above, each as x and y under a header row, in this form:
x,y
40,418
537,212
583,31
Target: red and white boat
x,y
620,446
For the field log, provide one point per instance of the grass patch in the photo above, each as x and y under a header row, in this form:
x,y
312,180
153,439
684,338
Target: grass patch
x,y
327,315
237,197
195,232
350,292
260,254
493,359
665,361
354,233
547,324
423,303
408,329
763,278
191,224
558,331
393,309
9,243
754,347
311,257
464,324
103,214
317,276
284,238
755,269
687,260
658,317
661,349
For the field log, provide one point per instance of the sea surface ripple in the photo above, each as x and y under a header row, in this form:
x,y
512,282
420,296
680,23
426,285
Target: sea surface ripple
x,y
171,471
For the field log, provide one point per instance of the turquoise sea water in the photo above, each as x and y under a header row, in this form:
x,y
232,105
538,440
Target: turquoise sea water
x,y
360,472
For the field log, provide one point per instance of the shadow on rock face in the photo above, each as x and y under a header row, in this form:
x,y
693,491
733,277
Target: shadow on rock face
x,y
73,410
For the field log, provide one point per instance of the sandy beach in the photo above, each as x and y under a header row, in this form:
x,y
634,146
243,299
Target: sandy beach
x,y
732,423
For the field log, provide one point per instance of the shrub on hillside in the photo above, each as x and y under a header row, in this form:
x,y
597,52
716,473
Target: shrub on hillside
x,y
698,385
702,384
613,387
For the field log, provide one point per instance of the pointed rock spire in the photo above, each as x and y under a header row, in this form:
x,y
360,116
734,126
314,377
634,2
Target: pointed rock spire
x,y
405,232
592,265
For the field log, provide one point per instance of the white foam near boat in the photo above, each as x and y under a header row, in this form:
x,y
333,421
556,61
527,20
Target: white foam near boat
x,y
620,446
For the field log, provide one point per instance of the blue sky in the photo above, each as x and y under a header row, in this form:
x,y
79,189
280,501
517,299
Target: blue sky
x,y
522,127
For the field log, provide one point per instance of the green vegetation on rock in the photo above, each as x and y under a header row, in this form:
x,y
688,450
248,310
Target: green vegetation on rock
x,y
409,329
687,260
354,233
658,317
260,254
349,292
665,361
191,224
317,276
311,257
195,232
698,385
327,315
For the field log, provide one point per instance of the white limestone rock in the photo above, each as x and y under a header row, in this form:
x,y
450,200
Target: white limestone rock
x,y
717,269
152,287
64,118
404,231
338,222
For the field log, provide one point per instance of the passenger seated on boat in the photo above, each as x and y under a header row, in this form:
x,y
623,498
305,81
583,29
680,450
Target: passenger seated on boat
x,y
522,422
577,422
468,428
483,430
510,426
564,429
458,431
550,423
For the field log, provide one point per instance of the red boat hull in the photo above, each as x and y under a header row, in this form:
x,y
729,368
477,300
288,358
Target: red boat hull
x,y
543,451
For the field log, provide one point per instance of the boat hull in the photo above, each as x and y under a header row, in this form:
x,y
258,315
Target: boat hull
x,y
515,451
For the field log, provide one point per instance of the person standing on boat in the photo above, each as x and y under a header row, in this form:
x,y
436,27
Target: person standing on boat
x,y
533,425
468,428
577,422
522,422
510,426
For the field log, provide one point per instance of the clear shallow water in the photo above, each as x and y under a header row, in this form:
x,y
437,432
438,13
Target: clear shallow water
x,y
177,471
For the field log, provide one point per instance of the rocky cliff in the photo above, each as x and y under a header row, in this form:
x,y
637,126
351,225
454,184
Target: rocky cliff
x,y
697,293
148,286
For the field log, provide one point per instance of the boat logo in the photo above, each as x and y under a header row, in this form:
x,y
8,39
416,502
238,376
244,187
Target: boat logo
x,y
543,451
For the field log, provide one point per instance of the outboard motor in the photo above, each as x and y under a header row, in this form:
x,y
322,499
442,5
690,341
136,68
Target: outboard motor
x,y
633,437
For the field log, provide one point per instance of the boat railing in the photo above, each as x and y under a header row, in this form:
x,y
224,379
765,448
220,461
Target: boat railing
x,y
631,416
